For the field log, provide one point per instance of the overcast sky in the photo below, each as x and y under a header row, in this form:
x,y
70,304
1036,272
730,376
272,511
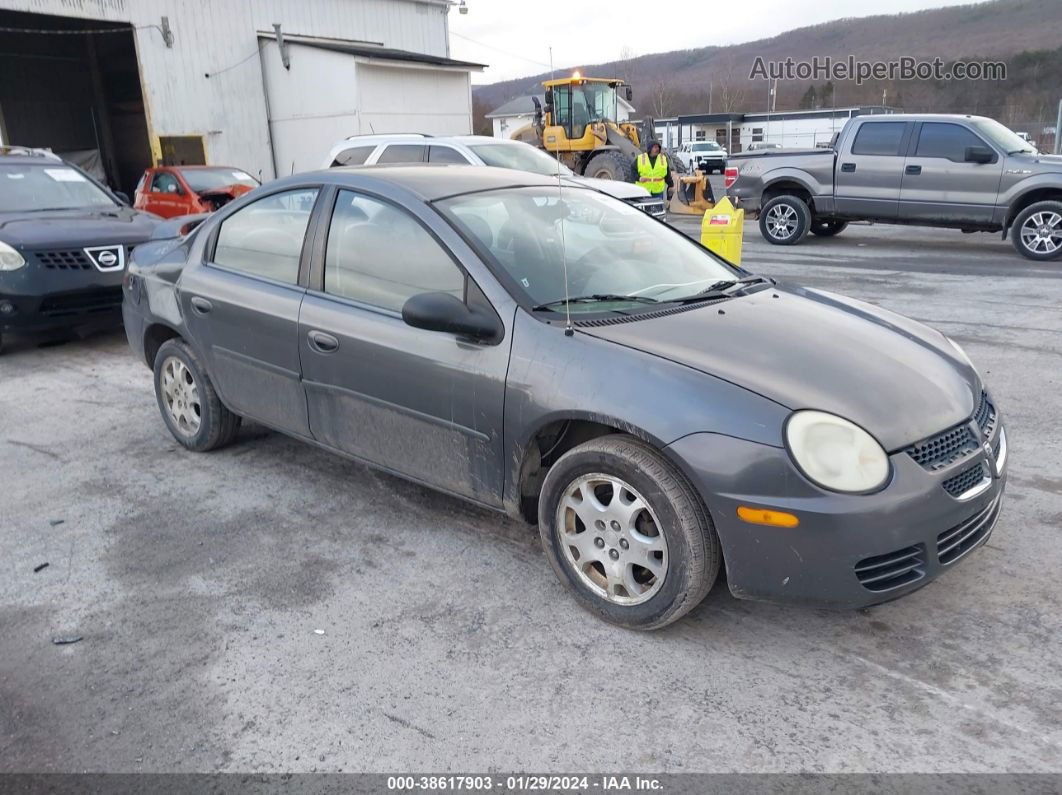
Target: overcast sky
x,y
514,36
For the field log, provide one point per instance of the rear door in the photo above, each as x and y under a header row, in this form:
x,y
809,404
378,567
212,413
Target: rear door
x,y
242,307
422,403
868,175
940,185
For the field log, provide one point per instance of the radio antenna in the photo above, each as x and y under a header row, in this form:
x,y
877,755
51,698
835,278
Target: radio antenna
x,y
568,330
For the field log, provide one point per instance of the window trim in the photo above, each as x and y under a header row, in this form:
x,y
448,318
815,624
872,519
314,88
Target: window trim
x,y
315,282
308,239
917,136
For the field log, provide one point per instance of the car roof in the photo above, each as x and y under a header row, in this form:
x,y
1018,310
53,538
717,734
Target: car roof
x,y
427,181
426,140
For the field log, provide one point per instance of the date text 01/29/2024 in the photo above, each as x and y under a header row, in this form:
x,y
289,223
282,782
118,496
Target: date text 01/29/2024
x,y
522,783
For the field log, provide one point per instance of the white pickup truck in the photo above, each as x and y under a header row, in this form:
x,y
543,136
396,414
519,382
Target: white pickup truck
x,y
708,156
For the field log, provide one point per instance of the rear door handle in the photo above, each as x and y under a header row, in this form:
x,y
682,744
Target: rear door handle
x,y
913,170
848,168
323,343
200,305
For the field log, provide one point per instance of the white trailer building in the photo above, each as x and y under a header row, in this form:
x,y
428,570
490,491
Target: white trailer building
x,y
267,86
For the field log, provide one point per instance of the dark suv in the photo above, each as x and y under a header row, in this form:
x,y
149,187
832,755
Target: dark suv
x,y
64,241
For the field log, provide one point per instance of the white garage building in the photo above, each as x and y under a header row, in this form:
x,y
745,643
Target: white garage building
x,y
265,85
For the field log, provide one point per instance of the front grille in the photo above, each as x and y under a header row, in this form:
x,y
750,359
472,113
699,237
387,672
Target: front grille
x,y
965,480
68,260
985,415
954,543
892,570
944,449
102,299
653,206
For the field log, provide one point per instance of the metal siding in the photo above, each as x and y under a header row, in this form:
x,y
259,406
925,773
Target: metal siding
x,y
229,109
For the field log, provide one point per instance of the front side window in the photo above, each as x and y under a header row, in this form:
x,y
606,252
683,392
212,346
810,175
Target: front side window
x,y
609,247
35,187
380,255
947,141
265,238
165,182
879,138
402,153
445,154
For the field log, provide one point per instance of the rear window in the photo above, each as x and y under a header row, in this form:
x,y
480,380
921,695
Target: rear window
x,y
879,138
354,156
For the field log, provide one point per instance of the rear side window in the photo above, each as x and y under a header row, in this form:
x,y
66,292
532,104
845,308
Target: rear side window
x,y
265,238
363,262
402,153
948,141
879,138
445,154
354,156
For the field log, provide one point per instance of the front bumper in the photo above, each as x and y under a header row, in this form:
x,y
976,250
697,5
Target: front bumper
x,y
849,551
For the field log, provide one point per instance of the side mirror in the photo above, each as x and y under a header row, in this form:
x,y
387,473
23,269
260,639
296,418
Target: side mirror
x,y
629,93
122,197
979,154
448,313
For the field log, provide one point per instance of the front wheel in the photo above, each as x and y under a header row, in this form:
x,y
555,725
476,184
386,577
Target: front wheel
x,y
784,220
827,227
1037,231
626,533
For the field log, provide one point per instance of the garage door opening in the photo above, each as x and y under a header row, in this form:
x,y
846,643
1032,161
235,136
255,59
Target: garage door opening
x,y
75,93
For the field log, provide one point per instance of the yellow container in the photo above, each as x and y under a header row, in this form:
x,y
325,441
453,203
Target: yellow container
x,y
721,231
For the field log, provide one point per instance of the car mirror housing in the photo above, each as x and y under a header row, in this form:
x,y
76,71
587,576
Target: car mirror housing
x,y
979,154
122,197
447,313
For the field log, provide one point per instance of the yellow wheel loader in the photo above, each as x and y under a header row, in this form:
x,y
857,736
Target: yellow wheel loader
x,y
578,124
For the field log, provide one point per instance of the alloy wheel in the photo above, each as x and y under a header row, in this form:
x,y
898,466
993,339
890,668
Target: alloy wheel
x,y
181,396
612,539
1042,233
782,221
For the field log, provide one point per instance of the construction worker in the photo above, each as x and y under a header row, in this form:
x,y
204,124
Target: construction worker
x,y
652,171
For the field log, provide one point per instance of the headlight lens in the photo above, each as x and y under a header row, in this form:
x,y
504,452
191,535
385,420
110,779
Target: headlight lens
x,y
10,260
835,453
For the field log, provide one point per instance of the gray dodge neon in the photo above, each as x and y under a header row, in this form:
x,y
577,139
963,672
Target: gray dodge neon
x,y
553,353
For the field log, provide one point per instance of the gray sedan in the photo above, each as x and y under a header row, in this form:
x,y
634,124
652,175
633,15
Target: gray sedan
x,y
556,354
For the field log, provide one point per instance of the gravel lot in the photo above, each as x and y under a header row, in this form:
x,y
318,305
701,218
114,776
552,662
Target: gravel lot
x,y
198,581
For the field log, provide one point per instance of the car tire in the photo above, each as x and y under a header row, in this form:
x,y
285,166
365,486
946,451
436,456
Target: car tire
x,y
671,531
785,220
608,165
827,227
188,402
1028,236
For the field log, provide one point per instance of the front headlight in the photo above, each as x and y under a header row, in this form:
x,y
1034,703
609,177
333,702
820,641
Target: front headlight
x,y
10,260
835,453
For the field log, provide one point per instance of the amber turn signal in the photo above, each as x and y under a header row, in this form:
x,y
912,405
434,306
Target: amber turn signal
x,y
764,516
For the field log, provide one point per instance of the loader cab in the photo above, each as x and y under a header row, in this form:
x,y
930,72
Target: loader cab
x,y
572,104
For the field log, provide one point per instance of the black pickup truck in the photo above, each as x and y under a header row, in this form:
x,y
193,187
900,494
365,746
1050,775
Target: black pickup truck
x,y
961,172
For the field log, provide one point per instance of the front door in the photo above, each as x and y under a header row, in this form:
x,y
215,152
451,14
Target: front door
x,y
242,307
867,178
941,186
422,403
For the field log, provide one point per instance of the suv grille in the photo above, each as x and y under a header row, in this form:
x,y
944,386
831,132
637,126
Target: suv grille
x,y
954,543
945,448
985,415
892,570
71,260
965,480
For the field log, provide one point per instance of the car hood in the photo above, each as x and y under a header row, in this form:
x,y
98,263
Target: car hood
x,y
1048,163
809,349
85,227
621,190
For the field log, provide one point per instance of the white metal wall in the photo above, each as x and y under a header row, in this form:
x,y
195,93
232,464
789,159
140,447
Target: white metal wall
x,y
219,37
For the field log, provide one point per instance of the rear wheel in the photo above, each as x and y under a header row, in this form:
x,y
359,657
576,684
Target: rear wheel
x,y
626,533
189,404
1037,231
609,164
827,227
785,220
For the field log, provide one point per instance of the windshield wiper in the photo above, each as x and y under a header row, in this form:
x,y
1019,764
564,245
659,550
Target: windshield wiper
x,y
593,299
1021,152
721,289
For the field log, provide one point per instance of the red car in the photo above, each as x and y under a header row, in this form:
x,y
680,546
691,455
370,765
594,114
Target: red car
x,y
170,191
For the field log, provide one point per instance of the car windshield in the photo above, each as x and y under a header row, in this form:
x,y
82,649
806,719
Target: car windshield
x,y
201,179
522,157
609,247
711,146
33,187
1003,137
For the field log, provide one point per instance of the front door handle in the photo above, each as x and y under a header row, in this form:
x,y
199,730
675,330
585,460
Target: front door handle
x,y
848,168
200,305
323,343
914,171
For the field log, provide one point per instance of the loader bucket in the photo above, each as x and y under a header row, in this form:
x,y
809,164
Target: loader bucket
x,y
693,194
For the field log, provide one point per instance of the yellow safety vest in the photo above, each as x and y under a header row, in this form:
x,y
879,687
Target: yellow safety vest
x,y
651,177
